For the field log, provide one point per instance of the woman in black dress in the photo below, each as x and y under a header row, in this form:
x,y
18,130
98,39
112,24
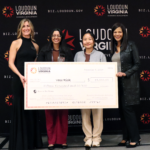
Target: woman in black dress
x,y
56,120
25,132
125,53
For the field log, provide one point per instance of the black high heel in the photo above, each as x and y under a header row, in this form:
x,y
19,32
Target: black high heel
x,y
64,146
123,144
51,147
132,146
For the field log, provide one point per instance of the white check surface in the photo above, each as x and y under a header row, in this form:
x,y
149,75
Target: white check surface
x,y
71,85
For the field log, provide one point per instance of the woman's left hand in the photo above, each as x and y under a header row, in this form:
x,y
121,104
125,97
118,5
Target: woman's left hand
x,y
120,74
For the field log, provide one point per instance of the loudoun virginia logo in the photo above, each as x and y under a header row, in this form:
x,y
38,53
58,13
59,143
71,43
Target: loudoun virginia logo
x,y
144,31
145,75
33,70
145,118
8,100
99,10
8,11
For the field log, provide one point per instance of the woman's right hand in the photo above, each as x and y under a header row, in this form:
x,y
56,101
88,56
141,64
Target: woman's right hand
x,y
120,74
23,80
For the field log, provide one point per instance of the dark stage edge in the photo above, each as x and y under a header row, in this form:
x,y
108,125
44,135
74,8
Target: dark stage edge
x,y
76,142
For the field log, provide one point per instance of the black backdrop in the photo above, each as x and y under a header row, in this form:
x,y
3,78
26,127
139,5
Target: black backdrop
x,y
74,18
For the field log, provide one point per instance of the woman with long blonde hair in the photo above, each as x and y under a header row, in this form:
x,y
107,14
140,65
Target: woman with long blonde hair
x,y
25,133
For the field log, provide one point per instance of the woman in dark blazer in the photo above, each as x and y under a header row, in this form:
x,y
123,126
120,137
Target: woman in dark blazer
x,y
46,52
56,120
125,53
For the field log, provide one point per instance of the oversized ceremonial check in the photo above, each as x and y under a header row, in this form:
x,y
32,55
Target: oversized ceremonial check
x,y
71,85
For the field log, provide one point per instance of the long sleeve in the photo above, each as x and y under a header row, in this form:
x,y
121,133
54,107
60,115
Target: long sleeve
x,y
136,61
103,58
75,57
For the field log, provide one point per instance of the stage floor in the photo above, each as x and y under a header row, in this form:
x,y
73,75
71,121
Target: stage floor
x,y
76,142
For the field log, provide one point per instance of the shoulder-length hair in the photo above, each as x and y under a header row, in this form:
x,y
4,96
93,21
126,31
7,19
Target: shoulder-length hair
x,y
124,39
62,46
20,26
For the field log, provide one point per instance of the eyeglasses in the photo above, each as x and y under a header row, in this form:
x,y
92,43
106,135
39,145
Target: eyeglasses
x,y
56,36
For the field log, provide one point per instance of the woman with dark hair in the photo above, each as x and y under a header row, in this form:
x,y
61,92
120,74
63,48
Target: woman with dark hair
x,y
125,53
92,136
56,120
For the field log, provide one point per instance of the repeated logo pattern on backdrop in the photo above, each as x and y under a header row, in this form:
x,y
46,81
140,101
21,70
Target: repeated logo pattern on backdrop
x,y
6,55
113,10
145,75
8,100
8,11
144,31
20,11
145,118
99,10
74,19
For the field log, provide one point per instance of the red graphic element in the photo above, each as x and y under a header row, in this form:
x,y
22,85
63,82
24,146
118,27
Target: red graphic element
x,y
67,35
145,75
99,10
63,31
8,11
6,55
69,39
145,118
71,43
144,31
8,100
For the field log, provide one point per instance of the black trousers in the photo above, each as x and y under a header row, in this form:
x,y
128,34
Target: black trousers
x,y
128,117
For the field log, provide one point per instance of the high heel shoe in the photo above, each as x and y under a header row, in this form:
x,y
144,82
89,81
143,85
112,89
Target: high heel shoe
x,y
123,144
132,146
64,146
51,147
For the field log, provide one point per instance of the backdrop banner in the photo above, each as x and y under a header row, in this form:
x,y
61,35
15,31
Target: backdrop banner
x,y
74,18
